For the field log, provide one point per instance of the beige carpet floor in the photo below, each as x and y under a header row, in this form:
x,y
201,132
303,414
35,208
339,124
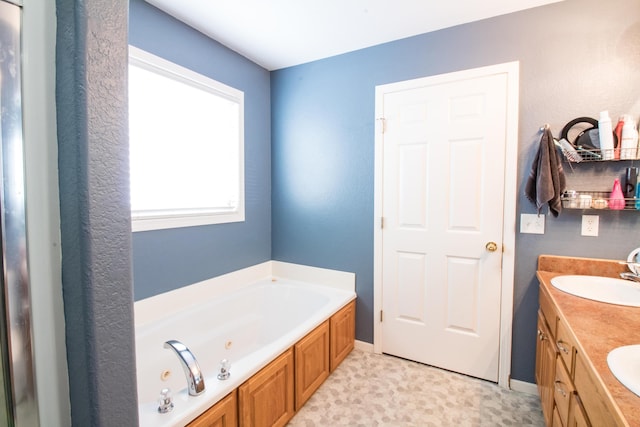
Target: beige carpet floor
x,y
378,390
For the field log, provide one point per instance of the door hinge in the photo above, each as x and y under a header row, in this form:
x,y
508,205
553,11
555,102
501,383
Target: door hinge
x,y
381,125
381,222
380,315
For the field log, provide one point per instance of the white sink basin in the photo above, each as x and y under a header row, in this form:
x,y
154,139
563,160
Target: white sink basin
x,y
624,363
603,289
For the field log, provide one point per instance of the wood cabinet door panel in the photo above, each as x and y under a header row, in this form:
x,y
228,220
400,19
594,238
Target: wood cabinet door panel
x,y
312,363
222,414
343,333
267,398
545,368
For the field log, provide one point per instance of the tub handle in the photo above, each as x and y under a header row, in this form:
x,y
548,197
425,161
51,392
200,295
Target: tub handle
x,y
225,368
165,402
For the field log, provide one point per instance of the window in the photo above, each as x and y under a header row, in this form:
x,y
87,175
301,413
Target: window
x,y
186,146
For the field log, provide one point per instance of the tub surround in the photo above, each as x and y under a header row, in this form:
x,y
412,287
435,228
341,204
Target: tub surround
x,y
597,327
160,306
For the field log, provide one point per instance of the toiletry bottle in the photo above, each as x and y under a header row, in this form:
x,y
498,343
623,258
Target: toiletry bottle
x,y
618,141
606,135
616,199
629,144
630,182
638,195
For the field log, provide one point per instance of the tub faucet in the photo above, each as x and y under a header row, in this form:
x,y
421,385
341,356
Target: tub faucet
x,y
195,380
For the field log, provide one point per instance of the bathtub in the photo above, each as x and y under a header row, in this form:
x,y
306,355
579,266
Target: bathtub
x,y
249,327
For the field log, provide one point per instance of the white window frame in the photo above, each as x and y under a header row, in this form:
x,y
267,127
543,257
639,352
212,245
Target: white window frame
x,y
162,220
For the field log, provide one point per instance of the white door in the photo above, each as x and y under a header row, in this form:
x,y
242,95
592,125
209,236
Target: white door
x,y
443,170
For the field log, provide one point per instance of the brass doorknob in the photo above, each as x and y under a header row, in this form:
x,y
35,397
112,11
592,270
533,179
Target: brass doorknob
x,y
491,246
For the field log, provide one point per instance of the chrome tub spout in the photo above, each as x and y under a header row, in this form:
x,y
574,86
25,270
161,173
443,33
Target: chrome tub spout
x,y
192,372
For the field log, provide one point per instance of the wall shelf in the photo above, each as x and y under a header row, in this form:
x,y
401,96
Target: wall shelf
x,y
582,155
597,200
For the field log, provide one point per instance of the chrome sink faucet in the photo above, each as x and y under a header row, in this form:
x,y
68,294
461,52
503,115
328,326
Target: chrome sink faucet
x,y
630,276
633,263
192,372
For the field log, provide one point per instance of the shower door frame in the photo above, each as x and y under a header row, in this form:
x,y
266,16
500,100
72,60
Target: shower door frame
x,y
19,371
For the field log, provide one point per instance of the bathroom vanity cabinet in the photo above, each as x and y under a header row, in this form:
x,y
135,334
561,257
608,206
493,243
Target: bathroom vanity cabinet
x,y
272,396
555,374
575,335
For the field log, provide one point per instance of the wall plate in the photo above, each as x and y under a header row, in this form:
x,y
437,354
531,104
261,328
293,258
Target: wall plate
x,y
532,223
590,225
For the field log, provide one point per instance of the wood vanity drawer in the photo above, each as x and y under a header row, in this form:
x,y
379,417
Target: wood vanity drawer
x,y
562,391
566,345
548,311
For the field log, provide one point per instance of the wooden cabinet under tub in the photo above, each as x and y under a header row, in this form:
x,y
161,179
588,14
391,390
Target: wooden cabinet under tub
x,y
343,333
312,363
272,396
222,414
267,398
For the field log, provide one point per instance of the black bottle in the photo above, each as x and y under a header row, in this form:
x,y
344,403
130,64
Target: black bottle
x,y
630,181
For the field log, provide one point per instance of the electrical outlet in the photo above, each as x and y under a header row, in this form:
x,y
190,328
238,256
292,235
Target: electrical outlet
x,y
590,225
532,223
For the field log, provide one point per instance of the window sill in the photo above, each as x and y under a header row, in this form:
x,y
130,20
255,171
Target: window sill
x,y
161,223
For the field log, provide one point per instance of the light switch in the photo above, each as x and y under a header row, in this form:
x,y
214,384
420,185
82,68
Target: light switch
x,y
532,223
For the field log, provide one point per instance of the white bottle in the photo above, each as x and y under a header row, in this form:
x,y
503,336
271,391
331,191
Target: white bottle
x,y
629,144
605,132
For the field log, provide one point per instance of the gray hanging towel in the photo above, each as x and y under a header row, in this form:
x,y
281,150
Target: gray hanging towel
x,y
546,180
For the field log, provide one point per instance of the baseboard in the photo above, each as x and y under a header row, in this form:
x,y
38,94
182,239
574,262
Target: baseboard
x,y
523,387
364,346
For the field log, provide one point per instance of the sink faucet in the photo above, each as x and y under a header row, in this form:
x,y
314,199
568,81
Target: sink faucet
x,y
630,276
195,380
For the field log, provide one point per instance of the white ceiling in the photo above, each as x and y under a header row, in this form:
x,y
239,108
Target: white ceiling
x,y
281,33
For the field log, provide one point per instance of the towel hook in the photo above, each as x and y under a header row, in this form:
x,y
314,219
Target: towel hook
x,y
545,127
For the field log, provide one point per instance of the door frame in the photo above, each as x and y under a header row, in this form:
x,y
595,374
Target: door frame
x,y
512,70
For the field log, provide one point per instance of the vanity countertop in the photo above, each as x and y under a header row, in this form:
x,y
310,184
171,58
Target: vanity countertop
x,y
599,327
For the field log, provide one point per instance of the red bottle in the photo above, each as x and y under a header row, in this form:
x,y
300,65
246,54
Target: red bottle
x,y
616,199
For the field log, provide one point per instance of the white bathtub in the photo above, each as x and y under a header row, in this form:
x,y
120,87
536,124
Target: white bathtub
x,y
249,327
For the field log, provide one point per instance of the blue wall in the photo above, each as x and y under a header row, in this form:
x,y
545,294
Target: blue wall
x,y
168,259
95,217
576,58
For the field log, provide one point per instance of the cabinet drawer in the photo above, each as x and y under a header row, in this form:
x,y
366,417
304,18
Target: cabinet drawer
x,y
547,310
566,346
562,391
